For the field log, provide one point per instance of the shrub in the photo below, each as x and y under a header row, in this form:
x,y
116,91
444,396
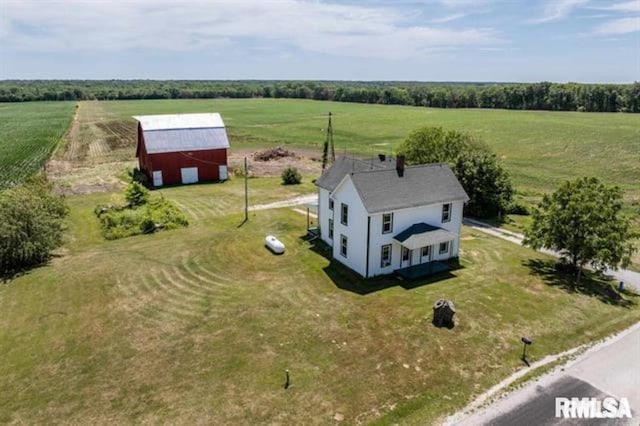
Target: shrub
x,y
136,194
291,176
156,214
31,225
517,207
137,175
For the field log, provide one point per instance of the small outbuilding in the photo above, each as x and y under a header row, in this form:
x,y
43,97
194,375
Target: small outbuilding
x,y
182,148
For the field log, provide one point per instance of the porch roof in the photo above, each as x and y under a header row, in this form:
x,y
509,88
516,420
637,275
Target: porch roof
x,y
422,234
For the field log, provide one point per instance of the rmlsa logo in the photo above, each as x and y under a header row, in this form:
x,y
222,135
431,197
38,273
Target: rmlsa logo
x,y
592,408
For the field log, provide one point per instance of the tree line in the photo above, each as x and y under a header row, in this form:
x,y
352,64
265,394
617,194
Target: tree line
x,y
524,96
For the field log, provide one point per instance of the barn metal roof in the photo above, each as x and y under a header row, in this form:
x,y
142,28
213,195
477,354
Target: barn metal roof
x,y
180,121
183,132
157,141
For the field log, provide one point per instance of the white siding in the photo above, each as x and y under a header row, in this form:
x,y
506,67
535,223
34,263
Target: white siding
x,y
355,231
403,219
324,214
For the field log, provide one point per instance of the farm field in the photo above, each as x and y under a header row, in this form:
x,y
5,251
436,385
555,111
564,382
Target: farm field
x,y
541,149
29,133
198,324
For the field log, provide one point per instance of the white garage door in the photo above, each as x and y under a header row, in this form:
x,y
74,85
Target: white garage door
x,y
223,173
157,178
189,174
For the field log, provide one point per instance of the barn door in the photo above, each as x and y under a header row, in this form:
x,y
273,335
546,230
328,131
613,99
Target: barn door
x,y
189,174
157,178
222,173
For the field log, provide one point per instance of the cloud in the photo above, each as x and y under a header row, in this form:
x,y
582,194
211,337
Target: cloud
x,y
618,26
556,10
328,28
629,6
448,18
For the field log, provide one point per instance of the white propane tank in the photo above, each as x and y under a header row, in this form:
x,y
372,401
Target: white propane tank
x,y
274,244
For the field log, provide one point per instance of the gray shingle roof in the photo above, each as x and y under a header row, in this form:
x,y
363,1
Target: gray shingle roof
x,y
157,141
415,229
343,165
384,190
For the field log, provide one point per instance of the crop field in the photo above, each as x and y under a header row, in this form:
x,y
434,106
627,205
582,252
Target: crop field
x,y
540,148
29,133
197,325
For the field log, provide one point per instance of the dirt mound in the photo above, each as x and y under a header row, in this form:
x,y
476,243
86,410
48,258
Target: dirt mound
x,y
273,154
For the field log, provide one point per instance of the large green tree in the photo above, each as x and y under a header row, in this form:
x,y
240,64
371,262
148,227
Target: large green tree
x,y
477,168
583,222
31,225
487,184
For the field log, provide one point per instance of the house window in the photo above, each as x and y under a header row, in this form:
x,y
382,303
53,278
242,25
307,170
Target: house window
x,y
385,256
446,212
405,254
330,203
444,247
425,251
331,229
344,214
343,245
387,223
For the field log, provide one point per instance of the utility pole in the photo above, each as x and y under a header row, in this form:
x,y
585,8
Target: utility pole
x,y
328,143
246,191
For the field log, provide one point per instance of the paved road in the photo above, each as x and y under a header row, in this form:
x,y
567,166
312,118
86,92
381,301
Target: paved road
x,y
631,279
608,369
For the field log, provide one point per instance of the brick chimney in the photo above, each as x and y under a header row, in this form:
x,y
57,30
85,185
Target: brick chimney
x,y
400,165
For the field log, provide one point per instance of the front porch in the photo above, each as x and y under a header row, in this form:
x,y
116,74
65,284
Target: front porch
x,y
422,270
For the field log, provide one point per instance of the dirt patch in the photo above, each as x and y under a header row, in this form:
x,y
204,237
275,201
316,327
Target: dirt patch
x,y
307,162
119,133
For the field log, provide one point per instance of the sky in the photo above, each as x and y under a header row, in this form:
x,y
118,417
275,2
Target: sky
x,y
418,40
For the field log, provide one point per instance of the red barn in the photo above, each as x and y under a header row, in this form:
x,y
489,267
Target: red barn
x,y
182,148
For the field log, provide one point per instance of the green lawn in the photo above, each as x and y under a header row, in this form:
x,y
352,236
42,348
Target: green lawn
x,y
198,324
29,132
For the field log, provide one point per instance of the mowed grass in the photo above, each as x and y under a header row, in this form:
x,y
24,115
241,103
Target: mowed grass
x,y
29,132
541,149
198,325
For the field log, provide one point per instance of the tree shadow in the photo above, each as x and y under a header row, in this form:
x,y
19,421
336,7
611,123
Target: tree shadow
x,y
346,279
593,284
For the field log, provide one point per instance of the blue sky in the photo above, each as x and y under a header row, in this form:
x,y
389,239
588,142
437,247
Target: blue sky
x,y
426,40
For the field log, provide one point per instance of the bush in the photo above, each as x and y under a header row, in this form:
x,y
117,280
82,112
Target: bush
x,y
136,194
137,175
517,207
31,225
156,214
291,176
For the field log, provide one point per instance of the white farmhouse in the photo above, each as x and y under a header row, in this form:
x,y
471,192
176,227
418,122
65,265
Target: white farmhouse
x,y
381,217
